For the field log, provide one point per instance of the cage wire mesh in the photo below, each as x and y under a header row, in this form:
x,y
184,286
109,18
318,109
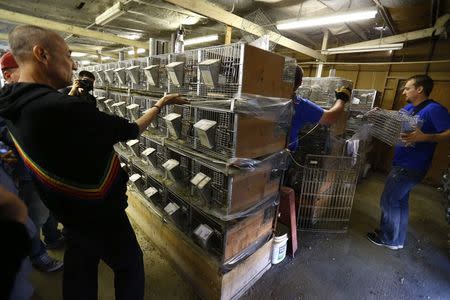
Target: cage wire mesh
x,y
229,83
362,101
253,21
388,125
327,193
187,78
321,90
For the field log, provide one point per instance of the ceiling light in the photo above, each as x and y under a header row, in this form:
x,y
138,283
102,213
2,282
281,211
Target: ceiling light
x,y
77,54
139,51
106,57
85,62
202,39
110,14
131,36
328,20
371,48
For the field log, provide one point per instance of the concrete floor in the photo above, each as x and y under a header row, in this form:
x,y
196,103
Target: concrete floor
x,y
327,266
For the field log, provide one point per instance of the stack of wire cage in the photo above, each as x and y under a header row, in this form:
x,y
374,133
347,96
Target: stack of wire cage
x,y
358,128
323,175
191,177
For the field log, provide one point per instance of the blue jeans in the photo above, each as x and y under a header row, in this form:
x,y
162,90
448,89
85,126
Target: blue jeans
x,y
37,212
394,204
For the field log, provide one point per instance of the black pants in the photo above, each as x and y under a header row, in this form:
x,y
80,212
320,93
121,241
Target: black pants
x,y
115,243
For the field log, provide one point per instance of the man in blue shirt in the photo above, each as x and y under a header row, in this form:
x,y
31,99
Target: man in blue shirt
x,y
307,112
411,161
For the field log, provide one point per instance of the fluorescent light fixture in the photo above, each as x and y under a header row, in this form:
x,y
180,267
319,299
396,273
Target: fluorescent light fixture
x,y
139,51
131,36
328,20
77,54
202,39
85,62
106,57
110,14
371,48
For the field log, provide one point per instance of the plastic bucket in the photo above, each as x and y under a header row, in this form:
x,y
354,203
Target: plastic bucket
x,y
279,248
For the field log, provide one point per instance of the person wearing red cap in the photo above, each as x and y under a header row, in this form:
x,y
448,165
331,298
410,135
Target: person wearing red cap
x,y
10,69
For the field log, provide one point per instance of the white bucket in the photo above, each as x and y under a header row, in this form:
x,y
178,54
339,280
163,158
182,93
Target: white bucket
x,y
279,248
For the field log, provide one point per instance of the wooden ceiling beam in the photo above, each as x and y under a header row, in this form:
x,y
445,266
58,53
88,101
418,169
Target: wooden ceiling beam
x,y
215,12
57,26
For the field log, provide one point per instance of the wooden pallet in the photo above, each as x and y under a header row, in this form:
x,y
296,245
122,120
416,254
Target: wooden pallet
x,y
195,266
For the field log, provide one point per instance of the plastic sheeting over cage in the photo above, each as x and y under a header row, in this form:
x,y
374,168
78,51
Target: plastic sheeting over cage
x,y
250,126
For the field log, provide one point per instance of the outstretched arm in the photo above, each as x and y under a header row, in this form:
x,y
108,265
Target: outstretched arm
x,y
151,114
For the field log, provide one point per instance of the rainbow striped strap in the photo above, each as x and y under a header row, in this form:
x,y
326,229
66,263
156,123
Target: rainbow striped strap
x,y
73,189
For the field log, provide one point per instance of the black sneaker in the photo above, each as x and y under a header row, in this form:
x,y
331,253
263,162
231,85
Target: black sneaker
x,y
373,237
46,263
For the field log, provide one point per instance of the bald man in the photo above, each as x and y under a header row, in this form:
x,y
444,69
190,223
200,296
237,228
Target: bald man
x,y
68,146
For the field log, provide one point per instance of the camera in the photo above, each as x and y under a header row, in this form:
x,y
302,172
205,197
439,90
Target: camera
x,y
86,84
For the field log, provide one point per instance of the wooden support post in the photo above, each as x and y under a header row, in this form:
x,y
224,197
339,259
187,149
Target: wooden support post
x,y
228,34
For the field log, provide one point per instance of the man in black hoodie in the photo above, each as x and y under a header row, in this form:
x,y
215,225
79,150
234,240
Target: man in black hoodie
x,y
68,146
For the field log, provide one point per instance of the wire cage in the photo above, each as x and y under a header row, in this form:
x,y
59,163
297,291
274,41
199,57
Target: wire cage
x,y
155,192
222,139
179,121
109,74
155,74
321,90
182,73
157,157
179,212
117,103
313,139
254,21
98,71
362,101
327,192
158,125
100,93
290,66
134,70
388,125
225,80
225,192
226,241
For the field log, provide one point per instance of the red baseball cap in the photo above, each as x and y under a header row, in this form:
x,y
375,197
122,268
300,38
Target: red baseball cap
x,y
7,61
